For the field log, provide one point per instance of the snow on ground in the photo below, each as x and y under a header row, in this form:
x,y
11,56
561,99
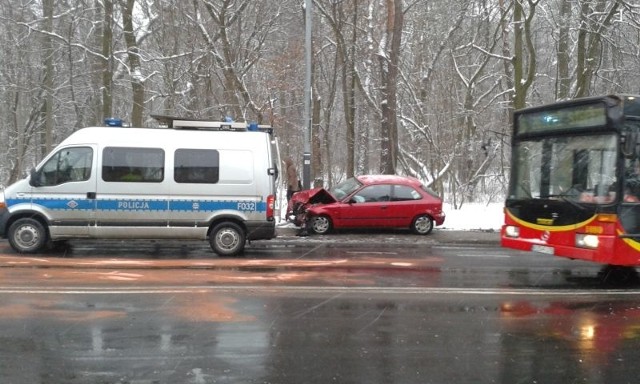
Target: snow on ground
x,y
474,216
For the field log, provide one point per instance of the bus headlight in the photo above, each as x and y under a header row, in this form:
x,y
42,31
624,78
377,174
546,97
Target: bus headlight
x,y
512,231
587,241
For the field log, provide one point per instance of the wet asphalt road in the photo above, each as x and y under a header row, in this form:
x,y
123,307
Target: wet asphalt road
x,y
359,309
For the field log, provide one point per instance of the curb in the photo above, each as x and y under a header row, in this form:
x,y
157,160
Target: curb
x,y
289,236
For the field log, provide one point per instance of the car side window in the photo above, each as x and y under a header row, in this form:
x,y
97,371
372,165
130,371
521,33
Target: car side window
x,y
373,193
67,165
404,193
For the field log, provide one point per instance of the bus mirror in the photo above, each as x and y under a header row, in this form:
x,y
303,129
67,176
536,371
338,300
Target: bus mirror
x,y
630,145
34,179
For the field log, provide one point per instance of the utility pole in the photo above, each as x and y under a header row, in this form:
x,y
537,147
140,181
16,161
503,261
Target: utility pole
x,y
306,157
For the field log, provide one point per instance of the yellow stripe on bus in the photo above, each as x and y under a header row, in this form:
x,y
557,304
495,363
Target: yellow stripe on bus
x,y
630,242
550,228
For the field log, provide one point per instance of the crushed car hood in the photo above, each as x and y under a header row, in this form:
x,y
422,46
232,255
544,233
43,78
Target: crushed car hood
x,y
313,196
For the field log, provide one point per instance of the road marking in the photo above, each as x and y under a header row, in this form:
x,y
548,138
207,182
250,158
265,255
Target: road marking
x,y
484,256
255,289
370,253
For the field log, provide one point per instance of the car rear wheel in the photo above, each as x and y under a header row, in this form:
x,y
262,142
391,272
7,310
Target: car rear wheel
x,y
27,235
227,239
320,225
422,225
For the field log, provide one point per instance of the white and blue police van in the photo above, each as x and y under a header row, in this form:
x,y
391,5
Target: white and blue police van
x,y
192,179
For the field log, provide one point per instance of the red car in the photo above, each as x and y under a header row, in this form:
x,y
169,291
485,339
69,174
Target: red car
x,y
373,201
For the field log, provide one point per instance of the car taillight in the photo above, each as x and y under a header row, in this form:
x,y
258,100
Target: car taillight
x,y
271,203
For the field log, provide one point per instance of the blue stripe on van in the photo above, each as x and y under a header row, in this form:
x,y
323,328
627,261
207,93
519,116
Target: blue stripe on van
x,y
129,205
210,206
63,204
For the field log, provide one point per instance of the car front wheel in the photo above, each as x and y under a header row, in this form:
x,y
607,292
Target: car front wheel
x,y
422,225
320,225
227,239
27,235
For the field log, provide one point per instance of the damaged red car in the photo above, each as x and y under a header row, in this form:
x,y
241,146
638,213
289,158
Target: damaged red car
x,y
372,201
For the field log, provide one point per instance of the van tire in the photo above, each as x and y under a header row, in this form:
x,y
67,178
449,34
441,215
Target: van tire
x,y
27,235
227,239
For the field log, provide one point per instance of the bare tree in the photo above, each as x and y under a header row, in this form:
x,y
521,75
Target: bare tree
x,y
135,67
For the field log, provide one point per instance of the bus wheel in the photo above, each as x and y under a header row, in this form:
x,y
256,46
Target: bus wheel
x,y
619,276
27,235
422,225
227,239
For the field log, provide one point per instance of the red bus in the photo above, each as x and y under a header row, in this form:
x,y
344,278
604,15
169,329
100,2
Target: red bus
x,y
575,180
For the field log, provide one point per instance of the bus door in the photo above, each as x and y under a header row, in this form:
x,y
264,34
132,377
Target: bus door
x,y
629,212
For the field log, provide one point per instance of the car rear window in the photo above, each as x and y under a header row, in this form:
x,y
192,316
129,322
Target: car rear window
x,y
404,192
430,191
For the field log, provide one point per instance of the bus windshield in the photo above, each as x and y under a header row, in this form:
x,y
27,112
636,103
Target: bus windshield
x,y
579,168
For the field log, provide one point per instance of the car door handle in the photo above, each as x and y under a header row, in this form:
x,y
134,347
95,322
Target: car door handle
x,y
384,207
91,195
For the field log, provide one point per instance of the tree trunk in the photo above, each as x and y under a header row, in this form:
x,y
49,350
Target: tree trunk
x,y
563,80
389,69
47,134
316,143
107,70
135,69
590,42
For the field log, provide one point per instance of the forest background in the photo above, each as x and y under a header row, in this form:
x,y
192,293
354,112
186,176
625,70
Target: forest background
x,y
416,87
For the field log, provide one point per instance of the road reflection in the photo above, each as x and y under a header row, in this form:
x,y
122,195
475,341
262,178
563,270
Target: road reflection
x,y
278,336
560,341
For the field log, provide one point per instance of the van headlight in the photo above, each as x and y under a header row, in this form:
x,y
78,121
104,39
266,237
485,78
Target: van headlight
x,y
584,240
512,231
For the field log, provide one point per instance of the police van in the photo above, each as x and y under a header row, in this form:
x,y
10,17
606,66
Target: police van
x,y
192,179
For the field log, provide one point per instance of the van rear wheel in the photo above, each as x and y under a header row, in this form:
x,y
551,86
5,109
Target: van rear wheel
x,y
27,235
227,239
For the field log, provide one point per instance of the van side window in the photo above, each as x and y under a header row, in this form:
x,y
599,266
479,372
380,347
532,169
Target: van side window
x,y
133,165
196,166
67,165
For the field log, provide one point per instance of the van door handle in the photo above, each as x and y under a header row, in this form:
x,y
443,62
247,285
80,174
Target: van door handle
x,y
91,195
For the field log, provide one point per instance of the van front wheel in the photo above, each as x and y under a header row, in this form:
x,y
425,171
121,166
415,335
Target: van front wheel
x,y
27,235
227,239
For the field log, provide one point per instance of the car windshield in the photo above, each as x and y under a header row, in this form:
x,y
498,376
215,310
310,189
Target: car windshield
x,y
345,188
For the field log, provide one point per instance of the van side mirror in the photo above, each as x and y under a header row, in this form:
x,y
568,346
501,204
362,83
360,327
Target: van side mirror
x,y
34,178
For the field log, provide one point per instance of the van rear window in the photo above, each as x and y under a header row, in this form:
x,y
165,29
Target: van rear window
x,y
133,165
196,166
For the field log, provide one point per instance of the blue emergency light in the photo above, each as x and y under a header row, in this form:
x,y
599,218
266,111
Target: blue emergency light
x,y
112,122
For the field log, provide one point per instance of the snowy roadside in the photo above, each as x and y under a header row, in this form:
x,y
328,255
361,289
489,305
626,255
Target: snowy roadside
x,y
471,217
474,216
